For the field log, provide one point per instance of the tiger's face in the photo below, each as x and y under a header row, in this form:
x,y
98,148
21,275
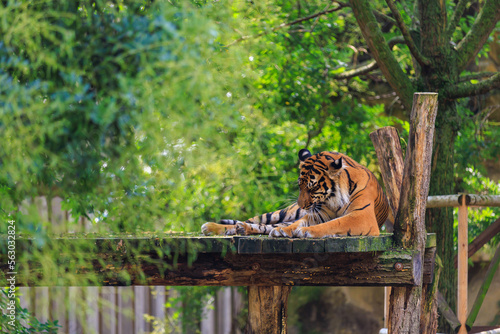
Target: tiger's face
x,y
318,177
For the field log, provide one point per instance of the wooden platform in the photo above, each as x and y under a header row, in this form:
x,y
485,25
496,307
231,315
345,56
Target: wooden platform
x,y
227,261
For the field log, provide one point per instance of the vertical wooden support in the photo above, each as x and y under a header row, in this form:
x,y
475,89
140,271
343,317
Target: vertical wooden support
x,y
492,269
409,228
390,157
463,244
267,309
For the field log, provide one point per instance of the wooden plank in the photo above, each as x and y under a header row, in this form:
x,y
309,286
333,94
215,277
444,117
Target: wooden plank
x,y
308,246
75,295
158,300
91,309
276,245
223,307
125,310
462,266
249,245
58,306
41,309
107,309
141,308
208,318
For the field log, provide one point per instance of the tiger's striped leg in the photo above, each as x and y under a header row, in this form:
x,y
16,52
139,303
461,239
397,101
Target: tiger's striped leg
x,y
244,228
263,224
354,223
256,225
224,227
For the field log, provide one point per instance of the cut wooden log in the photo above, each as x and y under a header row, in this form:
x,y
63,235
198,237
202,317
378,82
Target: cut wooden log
x,y
409,228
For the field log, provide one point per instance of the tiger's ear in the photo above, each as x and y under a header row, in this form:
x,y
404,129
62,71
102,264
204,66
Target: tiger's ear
x,y
304,154
336,164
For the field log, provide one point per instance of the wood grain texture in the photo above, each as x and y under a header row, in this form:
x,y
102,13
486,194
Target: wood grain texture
x,y
267,309
394,267
409,228
463,264
390,158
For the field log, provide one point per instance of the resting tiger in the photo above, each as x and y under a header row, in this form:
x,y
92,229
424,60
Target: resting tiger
x,y
338,196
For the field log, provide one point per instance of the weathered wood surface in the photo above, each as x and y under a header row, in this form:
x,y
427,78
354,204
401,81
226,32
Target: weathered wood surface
x,y
455,200
448,313
216,261
267,309
390,157
409,229
463,270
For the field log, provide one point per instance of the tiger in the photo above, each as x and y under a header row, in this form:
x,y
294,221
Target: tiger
x,y
337,197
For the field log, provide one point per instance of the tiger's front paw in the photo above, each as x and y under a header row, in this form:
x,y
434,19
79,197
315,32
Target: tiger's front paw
x,y
242,228
280,232
304,232
217,229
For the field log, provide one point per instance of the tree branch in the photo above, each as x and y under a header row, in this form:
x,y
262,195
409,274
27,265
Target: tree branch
x,y
383,17
364,69
468,89
421,59
476,76
479,32
287,24
380,51
457,14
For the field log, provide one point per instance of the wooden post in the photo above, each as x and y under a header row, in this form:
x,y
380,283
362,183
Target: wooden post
x,y
463,244
409,228
390,157
267,309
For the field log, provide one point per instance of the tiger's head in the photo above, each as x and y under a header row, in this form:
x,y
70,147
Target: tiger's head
x,y
318,179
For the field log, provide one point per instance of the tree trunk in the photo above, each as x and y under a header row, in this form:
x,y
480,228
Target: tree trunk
x,y
440,221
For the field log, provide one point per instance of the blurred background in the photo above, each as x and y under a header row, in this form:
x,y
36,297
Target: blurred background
x,y
158,116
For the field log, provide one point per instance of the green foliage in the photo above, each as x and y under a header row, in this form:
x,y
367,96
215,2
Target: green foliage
x,y
478,142
25,322
144,116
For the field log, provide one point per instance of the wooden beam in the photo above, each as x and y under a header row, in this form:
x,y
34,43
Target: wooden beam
x,y
482,239
216,261
455,200
462,266
393,267
448,313
492,269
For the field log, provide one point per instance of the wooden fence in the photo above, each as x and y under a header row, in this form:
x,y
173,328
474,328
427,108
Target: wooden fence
x,y
125,310
116,310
